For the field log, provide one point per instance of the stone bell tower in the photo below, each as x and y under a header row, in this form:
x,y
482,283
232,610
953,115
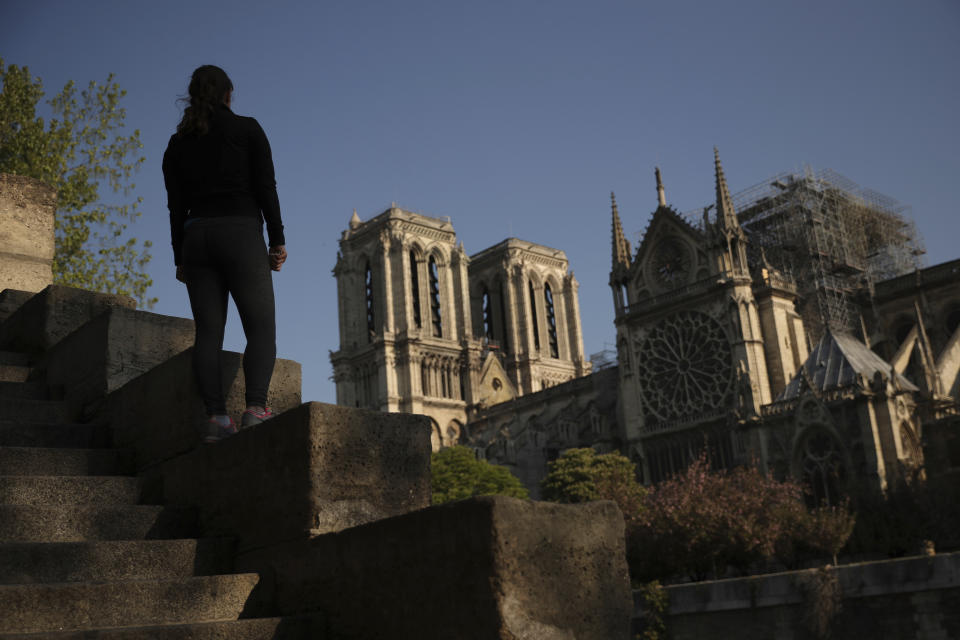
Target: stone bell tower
x,y
405,336
426,329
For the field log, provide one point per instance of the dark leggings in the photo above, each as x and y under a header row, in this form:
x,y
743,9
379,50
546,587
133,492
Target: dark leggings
x,y
221,255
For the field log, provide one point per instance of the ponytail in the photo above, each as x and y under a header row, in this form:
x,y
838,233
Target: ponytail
x,y
208,86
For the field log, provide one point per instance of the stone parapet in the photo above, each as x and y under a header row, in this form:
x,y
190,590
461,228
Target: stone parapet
x,y
904,598
53,314
314,469
157,415
491,567
27,209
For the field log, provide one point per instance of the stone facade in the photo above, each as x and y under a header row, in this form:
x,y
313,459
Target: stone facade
x,y
425,328
713,352
27,208
715,347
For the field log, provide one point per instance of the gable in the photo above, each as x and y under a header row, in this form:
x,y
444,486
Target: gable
x,y
671,254
495,386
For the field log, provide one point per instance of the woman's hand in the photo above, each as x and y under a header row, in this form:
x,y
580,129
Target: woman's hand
x,y
278,255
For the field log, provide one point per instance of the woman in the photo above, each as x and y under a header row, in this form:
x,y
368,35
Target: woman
x,y
218,171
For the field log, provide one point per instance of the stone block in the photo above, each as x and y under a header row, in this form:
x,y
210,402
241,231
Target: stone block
x,y
11,300
53,314
109,351
157,415
491,567
313,469
27,209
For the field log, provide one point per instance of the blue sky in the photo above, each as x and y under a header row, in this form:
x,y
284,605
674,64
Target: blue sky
x,y
518,118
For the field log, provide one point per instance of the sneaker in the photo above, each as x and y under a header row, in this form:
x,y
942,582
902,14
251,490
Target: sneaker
x,y
215,432
251,418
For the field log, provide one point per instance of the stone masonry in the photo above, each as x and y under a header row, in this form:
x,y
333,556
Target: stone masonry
x,y
26,233
115,523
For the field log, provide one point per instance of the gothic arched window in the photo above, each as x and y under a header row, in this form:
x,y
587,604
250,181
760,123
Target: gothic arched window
x,y
415,290
533,317
368,279
551,321
487,313
435,298
821,466
503,319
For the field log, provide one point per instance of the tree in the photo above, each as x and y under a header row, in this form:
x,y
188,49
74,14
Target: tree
x,y
702,521
581,475
457,474
79,148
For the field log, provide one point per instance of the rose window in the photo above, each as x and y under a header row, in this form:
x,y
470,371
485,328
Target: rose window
x,y
686,366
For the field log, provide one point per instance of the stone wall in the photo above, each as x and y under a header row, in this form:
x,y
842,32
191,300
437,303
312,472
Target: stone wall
x,y
27,209
908,598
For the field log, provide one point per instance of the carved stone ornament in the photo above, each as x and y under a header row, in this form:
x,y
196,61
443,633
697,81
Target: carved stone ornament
x,y
685,366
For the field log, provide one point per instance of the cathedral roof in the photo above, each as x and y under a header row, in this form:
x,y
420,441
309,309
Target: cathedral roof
x,y
840,360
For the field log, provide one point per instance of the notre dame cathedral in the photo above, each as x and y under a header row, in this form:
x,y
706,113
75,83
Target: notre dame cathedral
x,y
791,325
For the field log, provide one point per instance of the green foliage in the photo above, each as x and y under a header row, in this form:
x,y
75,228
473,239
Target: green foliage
x,y
656,602
76,151
581,475
458,474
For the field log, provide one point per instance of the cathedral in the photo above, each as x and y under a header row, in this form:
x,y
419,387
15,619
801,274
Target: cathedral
x,y
789,326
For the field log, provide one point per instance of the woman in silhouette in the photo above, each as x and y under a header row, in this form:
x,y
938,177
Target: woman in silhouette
x,y
221,189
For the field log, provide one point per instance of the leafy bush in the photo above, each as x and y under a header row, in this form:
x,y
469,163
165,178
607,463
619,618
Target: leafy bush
x,y
457,474
581,475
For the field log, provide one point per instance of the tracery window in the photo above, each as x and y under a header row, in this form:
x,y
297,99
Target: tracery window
x,y
368,279
435,298
415,290
684,366
821,466
533,317
551,321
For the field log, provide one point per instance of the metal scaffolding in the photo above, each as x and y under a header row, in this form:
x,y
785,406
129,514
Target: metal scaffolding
x,y
832,236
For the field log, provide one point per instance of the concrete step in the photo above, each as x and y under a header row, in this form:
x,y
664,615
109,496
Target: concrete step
x,y
45,461
40,562
14,373
30,523
69,490
26,410
36,608
14,367
25,433
11,300
34,390
289,628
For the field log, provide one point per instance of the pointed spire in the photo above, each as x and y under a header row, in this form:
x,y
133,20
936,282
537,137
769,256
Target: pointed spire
x,y
354,220
661,197
726,216
621,246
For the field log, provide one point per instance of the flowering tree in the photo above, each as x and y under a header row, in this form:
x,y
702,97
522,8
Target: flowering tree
x,y
702,521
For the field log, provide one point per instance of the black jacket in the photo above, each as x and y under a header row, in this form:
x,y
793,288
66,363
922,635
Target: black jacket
x,y
226,172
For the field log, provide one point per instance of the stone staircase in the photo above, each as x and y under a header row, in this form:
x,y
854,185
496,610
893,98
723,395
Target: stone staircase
x,y
116,523
82,557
